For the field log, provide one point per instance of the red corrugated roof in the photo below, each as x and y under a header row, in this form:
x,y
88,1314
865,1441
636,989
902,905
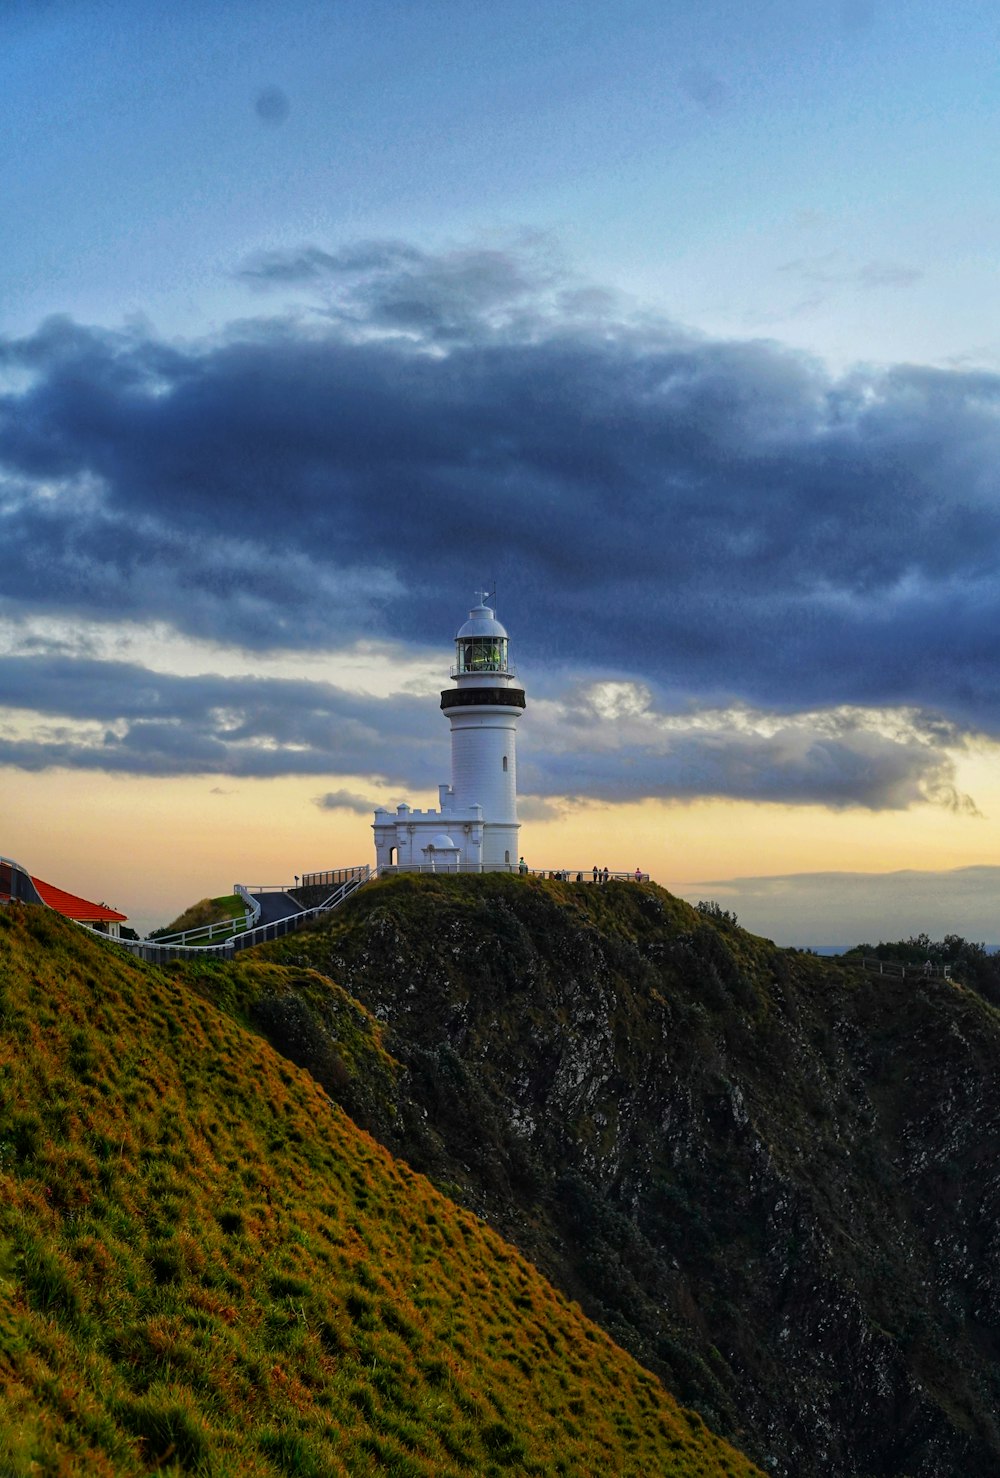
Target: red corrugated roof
x,y
73,907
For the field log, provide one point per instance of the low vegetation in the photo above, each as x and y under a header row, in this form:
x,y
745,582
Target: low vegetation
x,y
207,1268
206,911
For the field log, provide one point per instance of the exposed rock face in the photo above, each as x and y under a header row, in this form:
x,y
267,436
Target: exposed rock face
x,y
773,1179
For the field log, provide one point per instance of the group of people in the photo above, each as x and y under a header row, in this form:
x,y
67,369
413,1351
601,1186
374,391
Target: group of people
x,y
601,874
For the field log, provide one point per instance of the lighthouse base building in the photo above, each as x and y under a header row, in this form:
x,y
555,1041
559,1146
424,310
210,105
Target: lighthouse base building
x,y
475,828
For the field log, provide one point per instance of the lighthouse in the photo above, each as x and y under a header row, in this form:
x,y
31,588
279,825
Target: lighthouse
x,y
475,828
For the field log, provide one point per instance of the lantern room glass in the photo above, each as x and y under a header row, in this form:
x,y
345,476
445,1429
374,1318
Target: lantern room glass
x,y
482,654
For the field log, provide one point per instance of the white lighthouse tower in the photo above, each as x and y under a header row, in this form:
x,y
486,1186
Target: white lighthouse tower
x,y
476,828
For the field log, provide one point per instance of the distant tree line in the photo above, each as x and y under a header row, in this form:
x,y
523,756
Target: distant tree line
x,y
713,910
969,963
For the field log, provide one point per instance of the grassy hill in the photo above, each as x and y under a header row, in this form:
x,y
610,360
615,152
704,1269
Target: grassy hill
x,y
206,1267
206,911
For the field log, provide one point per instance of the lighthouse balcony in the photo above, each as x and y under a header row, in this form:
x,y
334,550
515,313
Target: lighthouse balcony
x,y
482,669
492,697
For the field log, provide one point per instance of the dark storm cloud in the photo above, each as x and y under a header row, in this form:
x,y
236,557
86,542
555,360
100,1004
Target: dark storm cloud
x,y
724,521
876,775
308,265
123,718
345,800
625,749
390,285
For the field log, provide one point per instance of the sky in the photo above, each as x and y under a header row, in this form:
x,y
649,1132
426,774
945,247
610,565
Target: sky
x,y
678,324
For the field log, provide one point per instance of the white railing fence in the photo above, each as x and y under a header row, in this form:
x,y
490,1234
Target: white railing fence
x,y
925,971
160,952
251,904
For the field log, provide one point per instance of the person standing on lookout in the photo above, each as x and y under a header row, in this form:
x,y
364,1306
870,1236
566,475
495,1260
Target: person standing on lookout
x,y
604,879
596,873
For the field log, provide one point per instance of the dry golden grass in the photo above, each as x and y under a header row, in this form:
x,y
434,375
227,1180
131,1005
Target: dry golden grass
x,y
205,1267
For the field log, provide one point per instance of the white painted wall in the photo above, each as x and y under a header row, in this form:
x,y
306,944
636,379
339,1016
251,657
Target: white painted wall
x,y
481,739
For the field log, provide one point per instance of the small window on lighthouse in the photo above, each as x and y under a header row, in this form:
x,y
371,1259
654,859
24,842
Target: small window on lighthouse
x,y
505,764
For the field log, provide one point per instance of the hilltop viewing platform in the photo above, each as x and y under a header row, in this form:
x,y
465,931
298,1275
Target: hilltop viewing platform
x,y
556,874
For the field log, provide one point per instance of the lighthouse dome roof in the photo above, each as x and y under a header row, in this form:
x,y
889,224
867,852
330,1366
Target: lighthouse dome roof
x,y
443,843
481,622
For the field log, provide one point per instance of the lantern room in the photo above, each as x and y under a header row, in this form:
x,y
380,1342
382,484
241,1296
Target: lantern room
x,y
481,643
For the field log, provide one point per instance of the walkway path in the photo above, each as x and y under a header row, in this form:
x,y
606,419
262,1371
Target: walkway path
x,y
275,906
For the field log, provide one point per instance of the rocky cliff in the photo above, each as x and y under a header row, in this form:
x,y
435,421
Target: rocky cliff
x,y
772,1178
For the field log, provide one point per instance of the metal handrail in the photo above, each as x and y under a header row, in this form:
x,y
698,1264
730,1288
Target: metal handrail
x,y
501,670
156,952
251,904
219,926
927,971
331,875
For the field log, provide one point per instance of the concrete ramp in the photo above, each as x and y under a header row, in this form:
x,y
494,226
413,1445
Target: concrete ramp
x,y
275,906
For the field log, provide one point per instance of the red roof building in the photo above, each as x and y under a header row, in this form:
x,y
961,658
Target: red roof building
x,y
76,908
17,882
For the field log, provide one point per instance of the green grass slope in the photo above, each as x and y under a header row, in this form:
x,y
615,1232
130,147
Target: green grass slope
x,y
206,911
205,1267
